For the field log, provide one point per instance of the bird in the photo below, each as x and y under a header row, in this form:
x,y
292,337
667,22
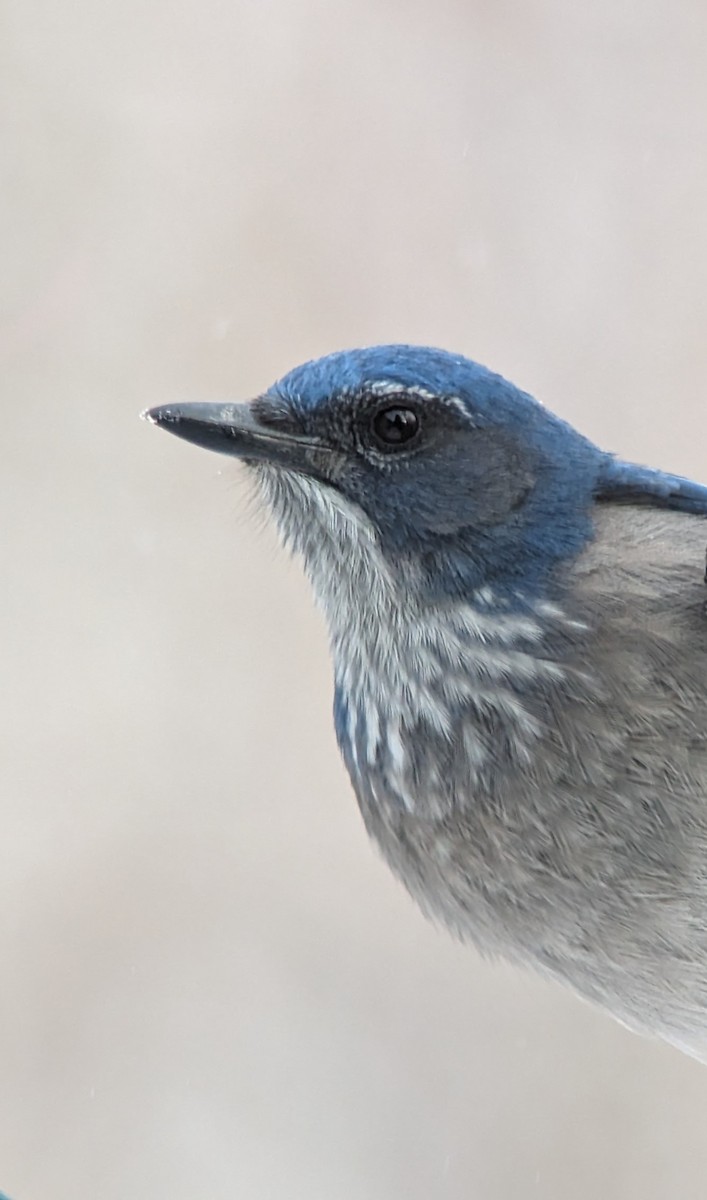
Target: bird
x,y
518,630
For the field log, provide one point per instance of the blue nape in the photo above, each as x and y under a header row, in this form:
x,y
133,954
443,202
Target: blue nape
x,y
493,401
626,483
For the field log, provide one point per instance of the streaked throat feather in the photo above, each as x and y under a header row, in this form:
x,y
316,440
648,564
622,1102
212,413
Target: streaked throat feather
x,y
409,675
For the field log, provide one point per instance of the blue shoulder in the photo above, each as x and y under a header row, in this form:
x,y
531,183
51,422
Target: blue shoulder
x,y
626,483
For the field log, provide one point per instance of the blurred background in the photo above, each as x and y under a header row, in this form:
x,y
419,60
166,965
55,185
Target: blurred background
x,y
212,987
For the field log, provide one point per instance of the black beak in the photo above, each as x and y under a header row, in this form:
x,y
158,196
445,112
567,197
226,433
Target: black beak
x,y
234,429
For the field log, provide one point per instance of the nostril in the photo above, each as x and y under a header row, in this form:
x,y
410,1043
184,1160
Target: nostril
x,y
276,415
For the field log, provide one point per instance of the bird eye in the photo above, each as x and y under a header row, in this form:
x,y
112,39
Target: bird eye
x,y
395,425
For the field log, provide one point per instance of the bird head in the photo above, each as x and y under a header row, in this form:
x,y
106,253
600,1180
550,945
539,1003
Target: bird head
x,y
448,469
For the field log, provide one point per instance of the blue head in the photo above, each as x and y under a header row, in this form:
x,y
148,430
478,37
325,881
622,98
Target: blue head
x,y
455,468
446,465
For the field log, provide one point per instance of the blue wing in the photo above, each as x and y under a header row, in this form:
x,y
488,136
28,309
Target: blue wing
x,y
626,483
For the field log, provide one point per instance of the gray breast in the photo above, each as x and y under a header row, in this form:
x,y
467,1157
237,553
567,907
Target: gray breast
x,y
536,773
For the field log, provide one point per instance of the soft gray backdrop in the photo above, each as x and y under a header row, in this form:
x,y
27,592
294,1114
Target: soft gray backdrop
x,y
212,988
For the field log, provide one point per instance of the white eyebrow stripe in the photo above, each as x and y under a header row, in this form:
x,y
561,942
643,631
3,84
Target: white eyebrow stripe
x,y
389,387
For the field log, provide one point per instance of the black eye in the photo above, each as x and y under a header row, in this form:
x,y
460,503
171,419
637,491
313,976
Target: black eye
x,y
395,425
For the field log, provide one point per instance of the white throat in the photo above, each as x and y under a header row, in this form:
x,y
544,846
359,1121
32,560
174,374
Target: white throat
x,y
400,664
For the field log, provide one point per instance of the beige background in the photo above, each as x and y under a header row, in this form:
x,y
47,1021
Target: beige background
x,y
211,986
